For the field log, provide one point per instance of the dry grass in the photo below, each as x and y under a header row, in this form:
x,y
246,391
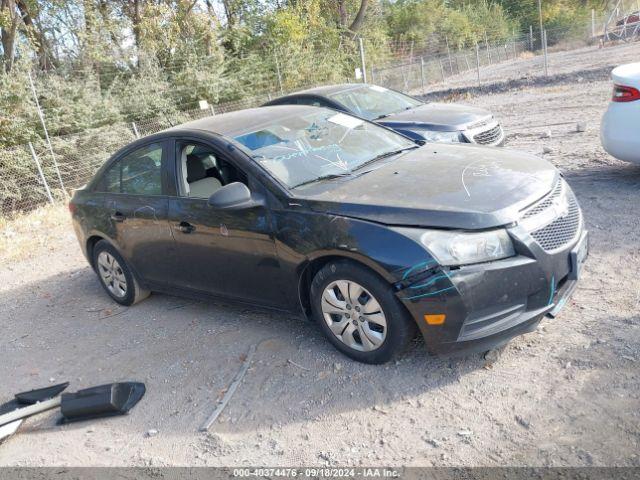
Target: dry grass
x,y
26,235
526,55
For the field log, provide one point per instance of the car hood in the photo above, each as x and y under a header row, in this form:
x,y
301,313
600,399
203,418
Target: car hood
x,y
439,185
442,116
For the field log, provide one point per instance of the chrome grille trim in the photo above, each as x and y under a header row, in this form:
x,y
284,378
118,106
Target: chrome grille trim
x,y
561,231
488,137
546,202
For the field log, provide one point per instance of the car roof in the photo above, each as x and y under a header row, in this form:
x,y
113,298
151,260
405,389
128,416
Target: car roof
x,y
327,90
233,123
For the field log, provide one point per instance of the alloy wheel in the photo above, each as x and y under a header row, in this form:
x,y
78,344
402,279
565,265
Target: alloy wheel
x,y
354,315
112,275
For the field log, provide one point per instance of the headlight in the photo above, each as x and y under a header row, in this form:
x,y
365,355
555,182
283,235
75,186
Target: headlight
x,y
461,248
441,137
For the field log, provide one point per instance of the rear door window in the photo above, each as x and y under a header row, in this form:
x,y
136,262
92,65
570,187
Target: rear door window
x,y
138,173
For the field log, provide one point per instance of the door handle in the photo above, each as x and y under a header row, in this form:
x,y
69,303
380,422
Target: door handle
x,y
186,227
118,217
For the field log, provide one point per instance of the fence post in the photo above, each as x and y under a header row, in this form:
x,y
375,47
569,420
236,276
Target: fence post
x,y
135,129
466,60
213,112
478,62
422,74
362,63
44,180
544,51
486,44
46,132
593,23
446,39
373,74
531,37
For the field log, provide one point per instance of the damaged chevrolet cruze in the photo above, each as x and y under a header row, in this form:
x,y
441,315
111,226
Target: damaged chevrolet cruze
x,y
311,210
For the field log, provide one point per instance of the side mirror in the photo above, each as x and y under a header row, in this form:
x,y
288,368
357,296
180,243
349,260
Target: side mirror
x,y
235,195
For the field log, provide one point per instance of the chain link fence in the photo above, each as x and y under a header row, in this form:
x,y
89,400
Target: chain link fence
x,y
419,72
44,171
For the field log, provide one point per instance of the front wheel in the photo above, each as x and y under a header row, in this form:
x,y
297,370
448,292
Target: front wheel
x,y
359,313
115,275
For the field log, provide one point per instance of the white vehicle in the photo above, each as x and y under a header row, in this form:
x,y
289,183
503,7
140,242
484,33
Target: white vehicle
x,y
620,129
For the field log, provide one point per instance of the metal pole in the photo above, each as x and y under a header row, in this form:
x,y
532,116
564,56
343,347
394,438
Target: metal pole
x,y
593,23
544,49
279,75
531,37
478,62
446,39
135,129
466,60
540,17
44,180
46,132
213,112
486,44
362,63
422,74
373,74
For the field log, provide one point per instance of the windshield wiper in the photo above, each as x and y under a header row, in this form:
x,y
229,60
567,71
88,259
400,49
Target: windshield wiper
x,y
385,115
323,177
384,155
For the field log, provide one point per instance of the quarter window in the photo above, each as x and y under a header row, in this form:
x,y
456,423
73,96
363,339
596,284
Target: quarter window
x,y
138,173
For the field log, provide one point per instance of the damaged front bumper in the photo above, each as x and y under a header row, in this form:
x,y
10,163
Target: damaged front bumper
x,y
486,305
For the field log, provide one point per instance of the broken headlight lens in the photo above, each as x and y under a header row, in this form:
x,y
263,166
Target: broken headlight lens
x,y
462,248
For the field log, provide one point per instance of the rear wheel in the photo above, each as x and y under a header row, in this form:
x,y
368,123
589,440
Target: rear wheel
x,y
359,313
115,275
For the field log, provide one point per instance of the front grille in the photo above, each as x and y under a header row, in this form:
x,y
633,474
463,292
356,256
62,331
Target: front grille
x,y
562,230
546,202
488,137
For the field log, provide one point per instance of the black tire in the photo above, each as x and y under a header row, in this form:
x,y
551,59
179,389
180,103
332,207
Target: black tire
x,y
133,293
400,327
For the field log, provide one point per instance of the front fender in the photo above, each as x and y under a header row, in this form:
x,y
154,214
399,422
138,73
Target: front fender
x,y
302,238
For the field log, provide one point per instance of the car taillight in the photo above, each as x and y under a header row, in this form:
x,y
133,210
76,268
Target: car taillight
x,y
623,93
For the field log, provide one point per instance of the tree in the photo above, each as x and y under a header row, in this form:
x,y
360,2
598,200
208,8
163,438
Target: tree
x,y
9,20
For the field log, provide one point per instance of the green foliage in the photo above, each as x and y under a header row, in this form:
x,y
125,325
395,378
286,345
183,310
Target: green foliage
x,y
72,106
116,66
18,115
461,23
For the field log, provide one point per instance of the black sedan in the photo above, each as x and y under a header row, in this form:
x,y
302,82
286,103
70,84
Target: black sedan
x,y
311,210
430,122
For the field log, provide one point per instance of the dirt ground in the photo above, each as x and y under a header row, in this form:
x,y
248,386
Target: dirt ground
x,y
567,394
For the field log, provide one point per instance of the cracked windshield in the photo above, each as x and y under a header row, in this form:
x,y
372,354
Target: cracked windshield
x,y
309,147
